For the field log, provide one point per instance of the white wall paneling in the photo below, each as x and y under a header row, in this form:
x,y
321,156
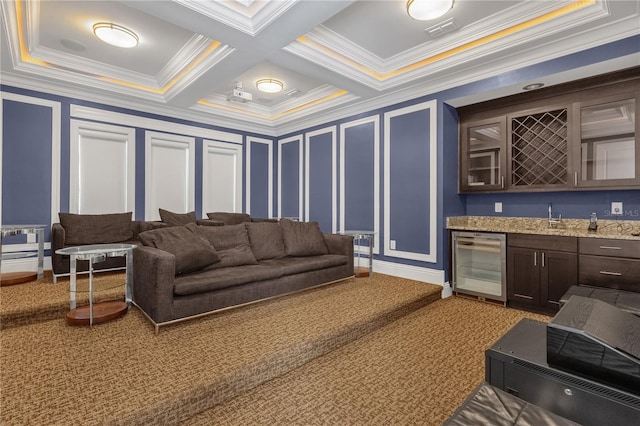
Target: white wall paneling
x,y
372,177
169,173
291,181
102,168
309,175
269,183
55,146
427,219
221,177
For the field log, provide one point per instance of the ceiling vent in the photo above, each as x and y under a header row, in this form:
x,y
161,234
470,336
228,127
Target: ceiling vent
x,y
442,28
294,93
239,95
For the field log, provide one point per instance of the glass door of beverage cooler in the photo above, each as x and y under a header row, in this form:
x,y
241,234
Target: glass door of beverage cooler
x,y
479,265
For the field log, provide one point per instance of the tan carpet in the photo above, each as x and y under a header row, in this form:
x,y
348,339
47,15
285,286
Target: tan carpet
x,y
42,300
414,371
121,373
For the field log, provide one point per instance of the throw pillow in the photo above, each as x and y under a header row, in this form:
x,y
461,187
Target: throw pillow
x,y
266,240
302,238
231,243
177,219
191,251
96,228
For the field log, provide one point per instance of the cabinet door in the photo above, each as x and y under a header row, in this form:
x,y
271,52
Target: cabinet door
x,y
538,143
605,150
559,271
482,155
523,276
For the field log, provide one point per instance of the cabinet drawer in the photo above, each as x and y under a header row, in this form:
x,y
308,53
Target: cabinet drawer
x,y
610,247
543,242
609,272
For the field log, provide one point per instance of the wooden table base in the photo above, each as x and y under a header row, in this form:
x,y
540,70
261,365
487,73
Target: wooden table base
x,y
361,272
12,278
102,312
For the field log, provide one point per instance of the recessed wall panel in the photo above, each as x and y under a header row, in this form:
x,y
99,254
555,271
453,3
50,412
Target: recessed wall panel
x,y
359,177
411,182
320,193
290,178
259,188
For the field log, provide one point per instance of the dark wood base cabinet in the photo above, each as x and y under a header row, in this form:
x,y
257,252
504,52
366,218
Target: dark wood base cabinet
x,y
540,269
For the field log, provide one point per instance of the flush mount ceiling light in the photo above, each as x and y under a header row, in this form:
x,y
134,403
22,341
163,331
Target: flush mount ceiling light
x,y
115,35
533,86
269,85
424,10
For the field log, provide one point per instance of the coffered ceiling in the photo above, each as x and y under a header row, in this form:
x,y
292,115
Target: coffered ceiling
x,y
332,56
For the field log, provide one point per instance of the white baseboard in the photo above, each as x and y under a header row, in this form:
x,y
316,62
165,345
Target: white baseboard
x,y
25,264
432,276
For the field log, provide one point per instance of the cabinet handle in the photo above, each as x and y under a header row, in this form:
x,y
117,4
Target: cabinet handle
x,y
543,259
617,274
575,178
535,258
610,248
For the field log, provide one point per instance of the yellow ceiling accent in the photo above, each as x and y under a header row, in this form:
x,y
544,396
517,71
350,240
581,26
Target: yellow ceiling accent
x,y
26,57
275,116
462,48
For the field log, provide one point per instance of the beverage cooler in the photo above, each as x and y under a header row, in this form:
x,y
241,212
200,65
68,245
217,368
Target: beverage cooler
x,y
479,266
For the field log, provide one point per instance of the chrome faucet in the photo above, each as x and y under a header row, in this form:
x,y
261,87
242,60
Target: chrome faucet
x,y
553,223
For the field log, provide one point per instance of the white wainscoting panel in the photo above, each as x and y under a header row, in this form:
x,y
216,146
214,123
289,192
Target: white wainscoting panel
x,y
169,174
281,145
430,218
374,176
334,171
221,177
250,141
102,168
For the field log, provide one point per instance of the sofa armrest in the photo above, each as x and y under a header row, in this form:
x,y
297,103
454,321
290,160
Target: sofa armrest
x,y
339,244
153,276
57,242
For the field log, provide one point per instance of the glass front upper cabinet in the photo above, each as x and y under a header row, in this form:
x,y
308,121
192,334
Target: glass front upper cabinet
x,y
608,150
483,155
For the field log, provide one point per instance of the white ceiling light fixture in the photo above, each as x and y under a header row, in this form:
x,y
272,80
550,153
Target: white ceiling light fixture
x,y
424,10
269,85
115,35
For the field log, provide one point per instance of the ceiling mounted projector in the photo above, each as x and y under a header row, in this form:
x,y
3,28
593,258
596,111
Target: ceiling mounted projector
x,y
239,95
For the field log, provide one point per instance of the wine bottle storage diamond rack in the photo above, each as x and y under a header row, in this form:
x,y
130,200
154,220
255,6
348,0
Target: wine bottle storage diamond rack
x,y
539,149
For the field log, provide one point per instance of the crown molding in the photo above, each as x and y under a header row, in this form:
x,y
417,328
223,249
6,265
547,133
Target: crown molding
x,y
193,48
233,18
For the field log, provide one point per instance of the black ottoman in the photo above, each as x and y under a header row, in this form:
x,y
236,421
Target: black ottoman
x,y
490,406
625,300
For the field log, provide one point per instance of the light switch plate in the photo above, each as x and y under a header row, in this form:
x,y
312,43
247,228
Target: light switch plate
x,y
392,244
498,207
616,208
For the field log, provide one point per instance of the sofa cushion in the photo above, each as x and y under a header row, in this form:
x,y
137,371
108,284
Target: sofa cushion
x,y
302,238
211,279
266,240
231,243
299,265
96,228
229,218
192,253
177,219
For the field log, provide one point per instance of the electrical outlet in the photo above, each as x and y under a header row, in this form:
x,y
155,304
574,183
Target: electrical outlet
x,y
616,208
31,238
392,244
498,207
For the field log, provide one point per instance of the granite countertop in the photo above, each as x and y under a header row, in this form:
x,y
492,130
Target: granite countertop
x,y
618,229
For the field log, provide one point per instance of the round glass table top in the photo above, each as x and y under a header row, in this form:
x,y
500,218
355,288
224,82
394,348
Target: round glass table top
x,y
97,249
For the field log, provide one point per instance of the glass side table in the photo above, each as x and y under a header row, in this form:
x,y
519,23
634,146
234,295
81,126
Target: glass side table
x,y
95,253
360,268
10,278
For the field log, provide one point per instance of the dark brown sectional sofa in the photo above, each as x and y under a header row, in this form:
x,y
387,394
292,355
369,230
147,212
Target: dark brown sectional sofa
x,y
187,271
